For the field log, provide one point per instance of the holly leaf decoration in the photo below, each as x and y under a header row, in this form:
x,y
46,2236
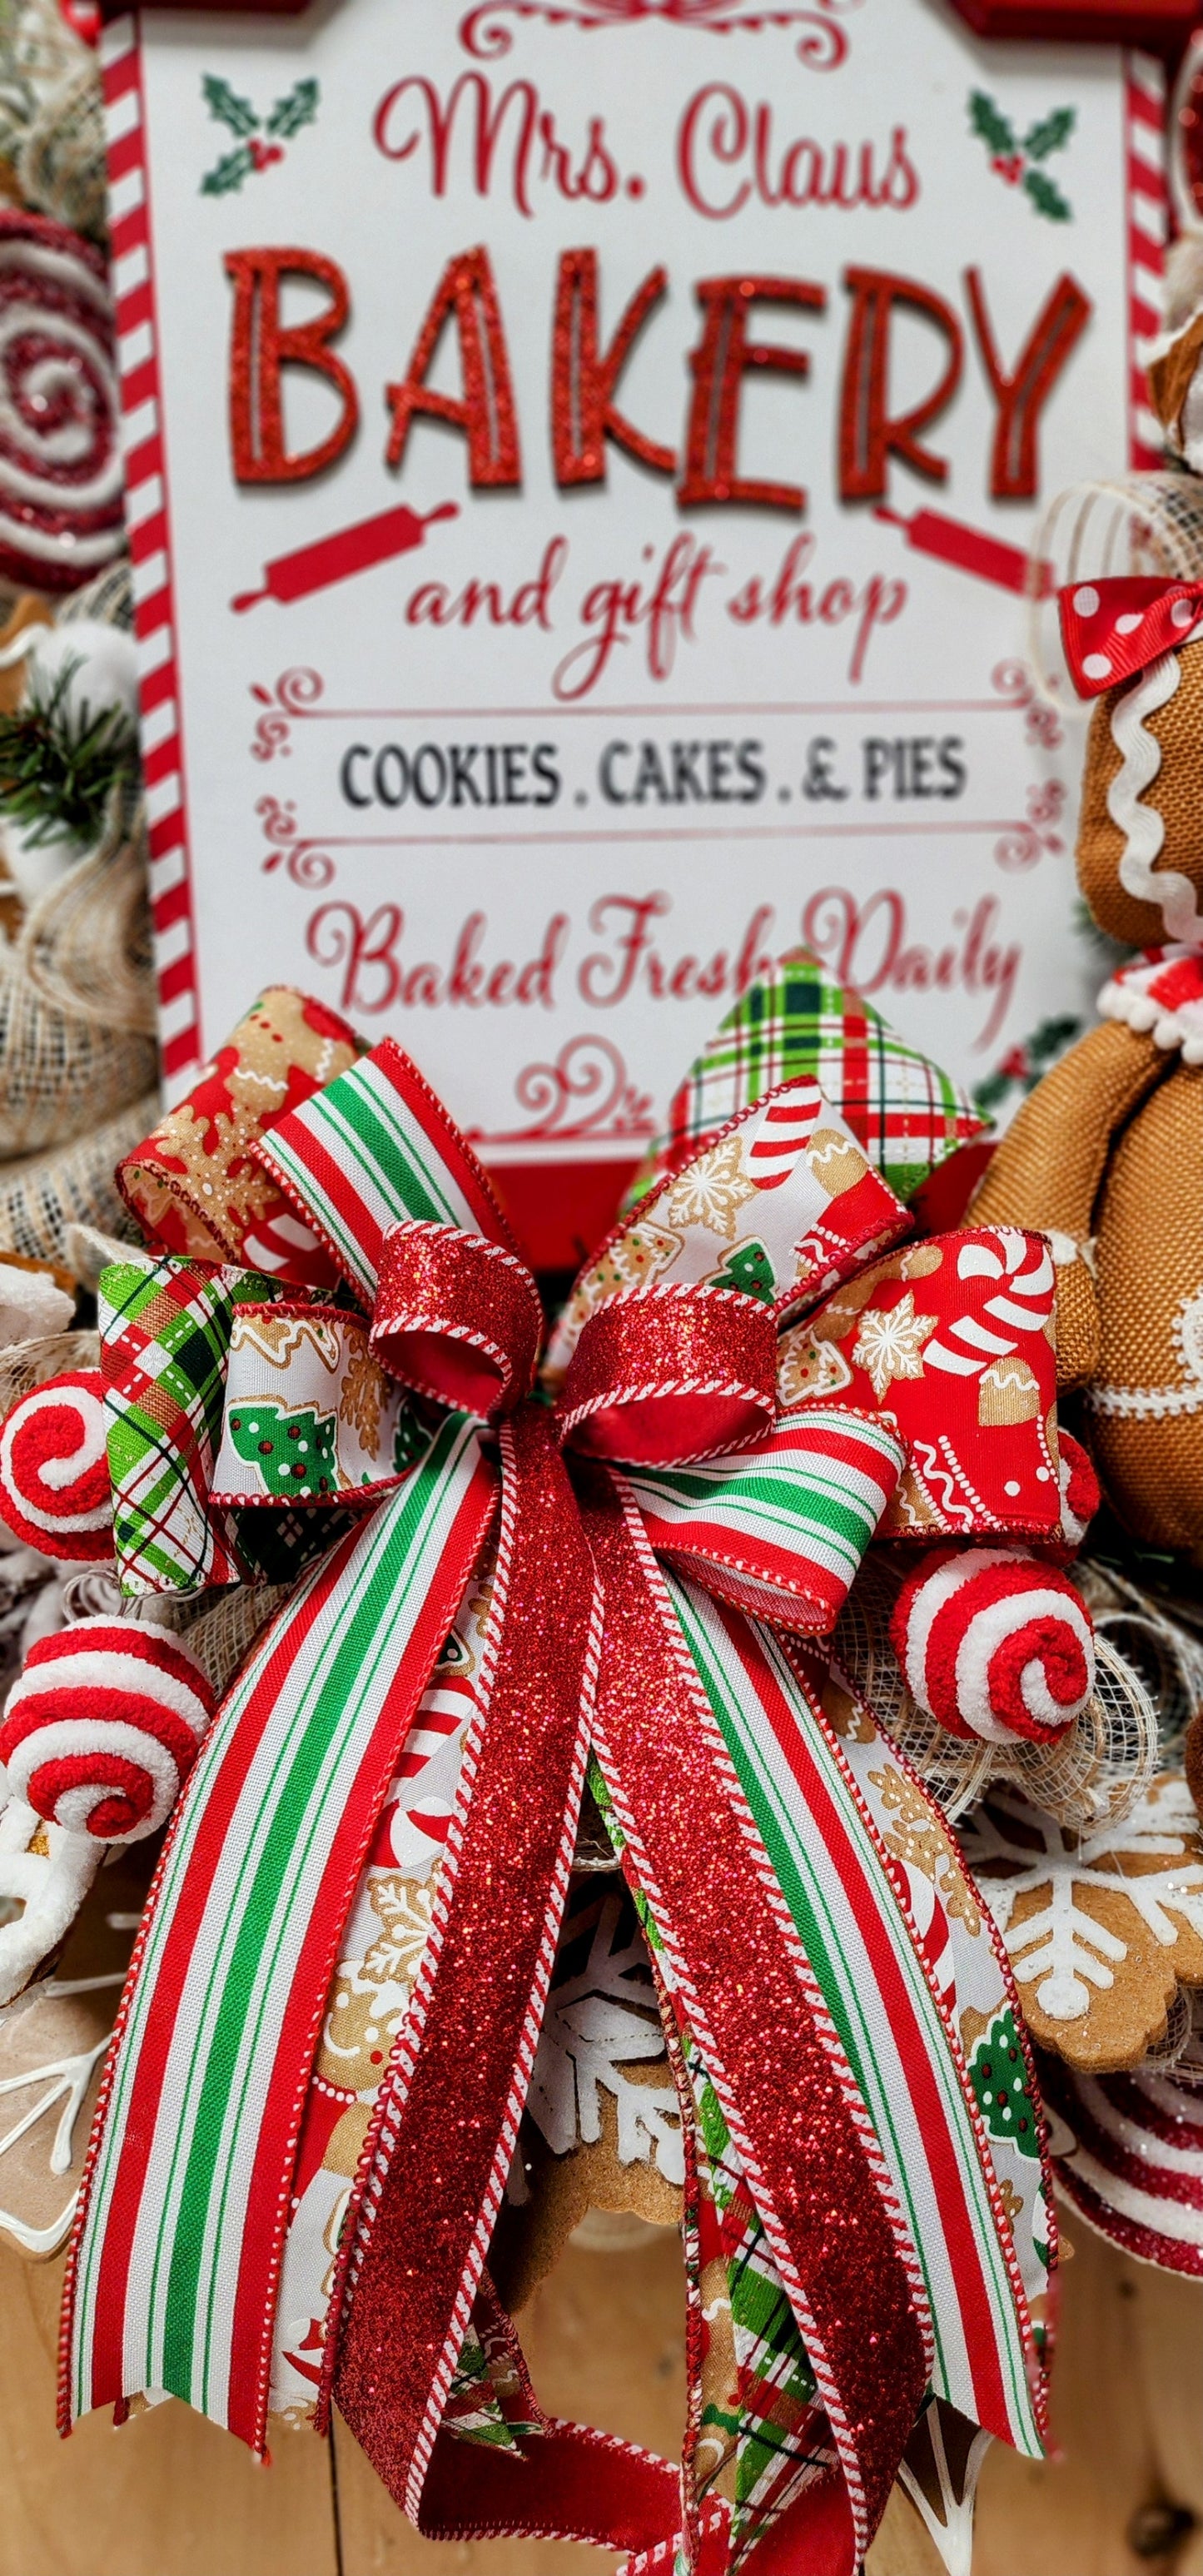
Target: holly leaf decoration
x,y
297,108
225,104
228,173
1046,196
1049,134
995,130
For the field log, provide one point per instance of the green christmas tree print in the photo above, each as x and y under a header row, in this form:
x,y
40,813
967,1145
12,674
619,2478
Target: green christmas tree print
x,y
750,1270
999,2076
293,1451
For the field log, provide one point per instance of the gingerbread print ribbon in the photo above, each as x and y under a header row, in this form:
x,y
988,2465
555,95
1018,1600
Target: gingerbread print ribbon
x,y
242,1400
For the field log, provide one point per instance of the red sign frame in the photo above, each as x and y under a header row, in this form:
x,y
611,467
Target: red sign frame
x,y
1162,24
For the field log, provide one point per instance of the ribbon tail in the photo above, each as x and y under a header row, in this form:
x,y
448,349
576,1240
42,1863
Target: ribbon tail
x,y
741,1980
446,2127
914,1987
175,2261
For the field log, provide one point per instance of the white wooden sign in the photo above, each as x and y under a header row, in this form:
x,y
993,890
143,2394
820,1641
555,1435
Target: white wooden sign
x,y
581,460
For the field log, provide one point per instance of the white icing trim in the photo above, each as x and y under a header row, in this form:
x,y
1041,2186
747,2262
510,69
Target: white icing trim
x,y
1142,826
1145,1403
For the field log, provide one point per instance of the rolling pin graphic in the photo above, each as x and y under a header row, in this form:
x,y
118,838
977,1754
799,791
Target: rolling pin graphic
x,y
971,550
330,559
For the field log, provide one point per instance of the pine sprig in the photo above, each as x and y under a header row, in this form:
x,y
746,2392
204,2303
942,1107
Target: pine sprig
x,y
1046,196
226,105
988,122
298,107
228,173
1050,134
59,764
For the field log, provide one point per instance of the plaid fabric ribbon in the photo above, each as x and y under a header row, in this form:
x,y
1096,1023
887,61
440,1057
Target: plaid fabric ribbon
x,y
907,1115
795,1941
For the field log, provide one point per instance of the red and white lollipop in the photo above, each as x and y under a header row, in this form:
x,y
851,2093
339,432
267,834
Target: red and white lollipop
x,y
102,1727
60,456
994,1644
54,1473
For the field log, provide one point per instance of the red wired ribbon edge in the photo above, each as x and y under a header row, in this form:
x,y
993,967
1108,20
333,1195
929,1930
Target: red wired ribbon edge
x,y
582,1646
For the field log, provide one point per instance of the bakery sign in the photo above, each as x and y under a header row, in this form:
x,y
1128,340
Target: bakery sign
x,y
582,462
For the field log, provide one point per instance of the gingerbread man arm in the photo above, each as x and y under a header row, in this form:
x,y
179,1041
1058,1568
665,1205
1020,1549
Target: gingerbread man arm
x,y
1049,1168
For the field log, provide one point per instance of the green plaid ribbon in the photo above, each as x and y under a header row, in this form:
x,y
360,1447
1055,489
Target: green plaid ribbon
x,y
905,1113
164,1345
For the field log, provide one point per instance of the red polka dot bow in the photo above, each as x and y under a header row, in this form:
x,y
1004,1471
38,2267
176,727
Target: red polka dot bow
x,y
1113,629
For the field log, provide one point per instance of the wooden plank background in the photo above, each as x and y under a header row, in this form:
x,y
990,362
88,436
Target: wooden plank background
x,y
171,2496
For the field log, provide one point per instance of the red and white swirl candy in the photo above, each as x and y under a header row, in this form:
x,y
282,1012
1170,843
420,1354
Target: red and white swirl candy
x,y
60,457
102,1728
54,1475
994,1644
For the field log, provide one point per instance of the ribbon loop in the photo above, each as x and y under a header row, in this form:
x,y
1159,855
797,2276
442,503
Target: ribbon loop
x,y
779,1531
457,1318
310,1416
670,1373
377,1146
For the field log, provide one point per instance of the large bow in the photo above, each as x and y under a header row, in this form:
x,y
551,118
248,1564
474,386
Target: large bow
x,y
656,1543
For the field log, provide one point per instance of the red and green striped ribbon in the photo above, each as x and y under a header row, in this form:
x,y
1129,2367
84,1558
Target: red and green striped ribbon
x,y
185,2201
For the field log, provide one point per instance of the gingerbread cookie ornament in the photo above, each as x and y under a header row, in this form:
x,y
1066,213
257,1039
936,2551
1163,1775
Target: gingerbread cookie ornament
x,y
1101,1928
1106,1155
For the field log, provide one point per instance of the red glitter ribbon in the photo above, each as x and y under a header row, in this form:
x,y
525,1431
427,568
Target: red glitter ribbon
x,y
447,2116
743,1983
665,1374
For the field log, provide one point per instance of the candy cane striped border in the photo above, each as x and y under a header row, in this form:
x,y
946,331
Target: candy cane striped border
x,y
147,511
148,524
1145,135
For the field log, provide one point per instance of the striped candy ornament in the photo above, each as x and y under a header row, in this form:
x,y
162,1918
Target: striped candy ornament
x,y
54,1477
994,1644
1129,2155
102,1727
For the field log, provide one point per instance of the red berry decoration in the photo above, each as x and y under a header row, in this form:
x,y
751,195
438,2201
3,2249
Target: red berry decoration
x,y
54,1470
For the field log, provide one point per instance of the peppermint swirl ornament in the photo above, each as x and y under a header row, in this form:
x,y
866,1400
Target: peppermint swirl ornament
x,y
60,458
994,1644
54,1473
102,1727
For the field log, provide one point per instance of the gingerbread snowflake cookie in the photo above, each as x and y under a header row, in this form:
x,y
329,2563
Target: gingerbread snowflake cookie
x,y
1101,1928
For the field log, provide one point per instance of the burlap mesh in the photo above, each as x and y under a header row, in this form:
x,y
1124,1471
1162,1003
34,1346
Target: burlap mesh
x,y
1173,793
77,1012
60,1074
60,161
44,1194
109,597
224,1631
28,1364
1150,1275
51,115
